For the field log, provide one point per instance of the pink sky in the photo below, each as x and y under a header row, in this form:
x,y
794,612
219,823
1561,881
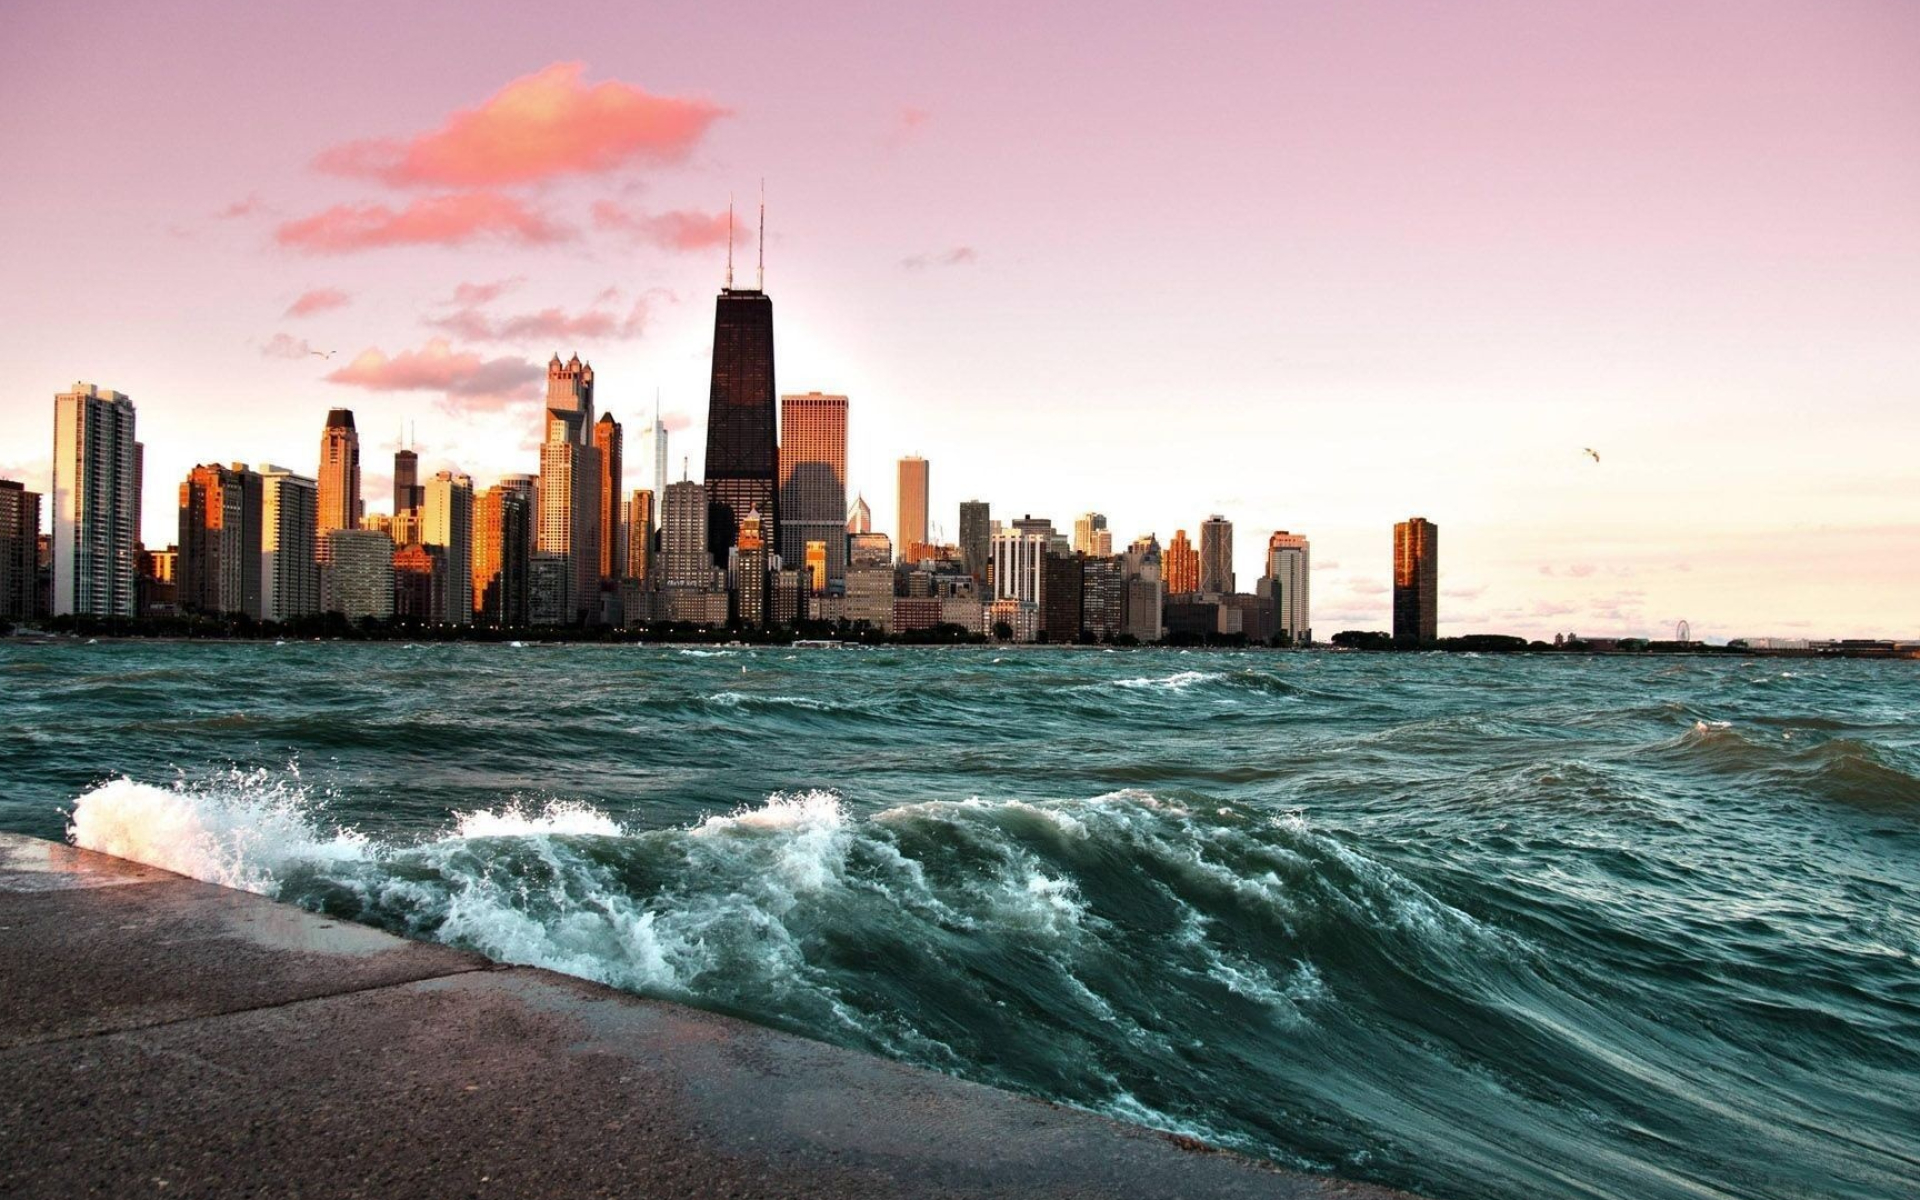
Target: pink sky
x,y
1316,266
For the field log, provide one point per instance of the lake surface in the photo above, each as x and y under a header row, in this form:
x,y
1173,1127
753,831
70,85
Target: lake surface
x,y
1476,927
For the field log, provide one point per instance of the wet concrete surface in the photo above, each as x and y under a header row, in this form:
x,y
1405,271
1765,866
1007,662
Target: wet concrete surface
x,y
164,1037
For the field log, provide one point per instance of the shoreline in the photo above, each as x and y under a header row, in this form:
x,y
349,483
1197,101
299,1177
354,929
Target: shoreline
x,y
529,639
158,1023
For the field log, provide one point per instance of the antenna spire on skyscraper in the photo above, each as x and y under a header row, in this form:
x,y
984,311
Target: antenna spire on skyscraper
x,y
760,279
729,242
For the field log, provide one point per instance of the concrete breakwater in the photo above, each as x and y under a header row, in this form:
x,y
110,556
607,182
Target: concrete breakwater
x,y
163,1036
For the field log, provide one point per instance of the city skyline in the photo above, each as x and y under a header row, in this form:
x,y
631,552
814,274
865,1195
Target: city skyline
x,y
1672,292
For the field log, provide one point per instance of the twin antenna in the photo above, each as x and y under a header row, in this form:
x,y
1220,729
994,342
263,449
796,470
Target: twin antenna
x,y
760,278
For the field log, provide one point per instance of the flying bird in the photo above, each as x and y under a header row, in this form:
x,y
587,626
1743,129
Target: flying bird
x,y
1592,453
330,353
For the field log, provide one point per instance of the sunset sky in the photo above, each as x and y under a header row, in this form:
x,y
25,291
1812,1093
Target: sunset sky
x,y
1314,266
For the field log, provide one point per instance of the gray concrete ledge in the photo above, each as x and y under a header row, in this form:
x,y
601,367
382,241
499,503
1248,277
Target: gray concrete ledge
x,y
160,1036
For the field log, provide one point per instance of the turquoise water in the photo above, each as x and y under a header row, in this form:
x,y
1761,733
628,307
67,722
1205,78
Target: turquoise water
x,y
1508,927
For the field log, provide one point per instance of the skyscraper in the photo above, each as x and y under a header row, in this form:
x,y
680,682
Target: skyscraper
x,y
447,523
742,447
218,571
976,539
339,478
607,439
96,468
813,479
19,551
407,497
1018,563
357,578
750,573
569,495
502,550
660,479
640,520
1091,536
684,558
1416,582
859,517
913,507
289,550
1180,565
1216,556
1287,586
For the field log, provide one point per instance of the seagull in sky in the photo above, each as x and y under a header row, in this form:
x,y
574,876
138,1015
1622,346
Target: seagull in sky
x,y
330,353
1592,453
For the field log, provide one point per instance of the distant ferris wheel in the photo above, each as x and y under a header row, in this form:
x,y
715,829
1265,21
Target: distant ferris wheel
x,y
1682,632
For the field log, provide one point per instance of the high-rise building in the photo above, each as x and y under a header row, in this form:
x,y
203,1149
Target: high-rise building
x,y
742,446
859,517
96,505
1103,611
750,573
1286,587
1416,581
502,550
357,578
816,564
1091,536
447,524
640,518
339,478
407,492
289,546
1216,556
569,496
1062,595
813,479
1018,564
420,583
1180,566
19,535
913,507
613,557
684,558
976,539
660,480
218,571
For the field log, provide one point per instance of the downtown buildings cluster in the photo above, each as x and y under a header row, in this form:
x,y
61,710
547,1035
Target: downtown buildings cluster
x,y
765,540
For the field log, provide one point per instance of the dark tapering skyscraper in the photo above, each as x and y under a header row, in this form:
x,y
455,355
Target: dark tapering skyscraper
x,y
742,441
1416,582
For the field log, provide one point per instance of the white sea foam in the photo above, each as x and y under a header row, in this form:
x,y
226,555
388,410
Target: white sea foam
x,y
239,831
1179,681
516,820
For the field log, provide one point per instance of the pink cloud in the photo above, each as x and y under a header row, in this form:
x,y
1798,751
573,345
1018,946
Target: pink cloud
x,y
449,220
547,325
546,124
244,208
678,230
317,300
485,293
959,256
285,345
467,379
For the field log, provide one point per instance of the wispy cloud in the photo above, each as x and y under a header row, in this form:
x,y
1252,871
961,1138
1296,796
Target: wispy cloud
x,y
455,219
681,229
548,325
317,300
959,256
